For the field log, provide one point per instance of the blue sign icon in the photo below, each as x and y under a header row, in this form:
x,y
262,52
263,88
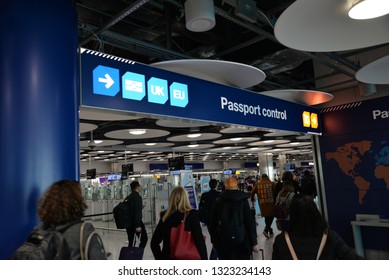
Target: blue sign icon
x,y
157,91
106,81
133,86
179,95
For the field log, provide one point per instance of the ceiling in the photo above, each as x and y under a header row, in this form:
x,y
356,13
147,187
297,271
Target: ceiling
x,y
152,31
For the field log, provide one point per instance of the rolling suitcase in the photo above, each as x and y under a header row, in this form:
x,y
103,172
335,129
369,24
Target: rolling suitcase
x,y
133,252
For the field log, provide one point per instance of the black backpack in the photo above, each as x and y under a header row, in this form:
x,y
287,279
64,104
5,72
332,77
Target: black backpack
x,y
230,223
43,244
122,214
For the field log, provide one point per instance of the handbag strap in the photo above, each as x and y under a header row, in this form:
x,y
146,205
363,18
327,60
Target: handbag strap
x,y
136,238
291,250
81,240
321,247
293,253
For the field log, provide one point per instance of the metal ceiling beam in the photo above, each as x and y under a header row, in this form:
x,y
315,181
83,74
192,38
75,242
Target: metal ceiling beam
x,y
140,46
270,36
116,19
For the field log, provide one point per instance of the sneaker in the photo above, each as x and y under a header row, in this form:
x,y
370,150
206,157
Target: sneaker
x,y
271,232
266,234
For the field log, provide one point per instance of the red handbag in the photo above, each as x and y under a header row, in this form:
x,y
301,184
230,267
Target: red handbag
x,y
182,245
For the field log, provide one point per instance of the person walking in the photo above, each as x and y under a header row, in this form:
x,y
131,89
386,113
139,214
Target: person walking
x,y
286,176
207,202
233,229
179,208
309,236
137,226
308,184
264,189
62,208
283,200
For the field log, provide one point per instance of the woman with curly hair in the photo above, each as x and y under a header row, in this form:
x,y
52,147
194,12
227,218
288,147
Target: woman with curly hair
x,y
62,207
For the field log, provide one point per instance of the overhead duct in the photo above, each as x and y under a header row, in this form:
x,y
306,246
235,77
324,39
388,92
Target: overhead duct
x,y
280,61
245,9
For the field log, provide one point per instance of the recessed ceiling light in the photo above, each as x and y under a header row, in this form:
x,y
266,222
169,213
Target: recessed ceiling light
x,y
97,141
194,135
137,131
368,9
193,145
268,141
150,144
236,139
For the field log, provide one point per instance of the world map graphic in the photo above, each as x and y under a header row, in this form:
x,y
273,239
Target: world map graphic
x,y
351,156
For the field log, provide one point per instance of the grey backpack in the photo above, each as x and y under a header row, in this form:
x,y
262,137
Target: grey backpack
x,y
43,244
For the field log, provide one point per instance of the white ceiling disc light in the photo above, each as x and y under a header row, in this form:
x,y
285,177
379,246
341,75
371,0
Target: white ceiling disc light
x,y
194,135
137,131
375,72
199,15
124,134
325,26
218,71
305,97
86,127
368,9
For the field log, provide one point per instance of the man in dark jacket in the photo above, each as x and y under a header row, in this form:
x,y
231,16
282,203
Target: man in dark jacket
x,y
232,207
207,201
308,184
137,226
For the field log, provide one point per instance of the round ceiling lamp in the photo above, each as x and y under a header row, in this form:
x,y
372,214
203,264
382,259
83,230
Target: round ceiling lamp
x,y
217,71
368,9
375,72
199,15
137,131
325,26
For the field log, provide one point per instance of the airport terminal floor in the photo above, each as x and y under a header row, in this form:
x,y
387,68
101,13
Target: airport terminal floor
x,y
114,239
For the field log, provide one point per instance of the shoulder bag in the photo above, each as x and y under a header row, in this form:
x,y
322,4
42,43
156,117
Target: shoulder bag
x,y
293,253
182,245
84,250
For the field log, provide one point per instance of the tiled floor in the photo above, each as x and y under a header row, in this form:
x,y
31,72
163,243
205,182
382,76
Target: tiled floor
x,y
114,239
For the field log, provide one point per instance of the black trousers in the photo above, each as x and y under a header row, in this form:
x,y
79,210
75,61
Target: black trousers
x,y
268,223
143,236
233,252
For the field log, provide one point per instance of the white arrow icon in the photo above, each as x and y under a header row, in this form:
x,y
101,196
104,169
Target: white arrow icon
x,y
108,81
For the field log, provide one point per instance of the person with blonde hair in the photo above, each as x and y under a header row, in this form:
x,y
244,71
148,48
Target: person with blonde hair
x,y
178,207
233,228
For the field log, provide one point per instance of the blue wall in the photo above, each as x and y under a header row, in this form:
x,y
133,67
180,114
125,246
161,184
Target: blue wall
x,y
39,109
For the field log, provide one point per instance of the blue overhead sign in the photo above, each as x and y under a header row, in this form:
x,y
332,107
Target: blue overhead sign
x,y
120,84
106,81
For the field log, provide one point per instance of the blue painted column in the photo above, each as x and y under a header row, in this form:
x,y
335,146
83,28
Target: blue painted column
x,y
38,109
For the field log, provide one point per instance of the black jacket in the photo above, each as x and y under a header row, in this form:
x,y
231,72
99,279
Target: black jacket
x,y
306,248
136,205
233,196
162,234
207,201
